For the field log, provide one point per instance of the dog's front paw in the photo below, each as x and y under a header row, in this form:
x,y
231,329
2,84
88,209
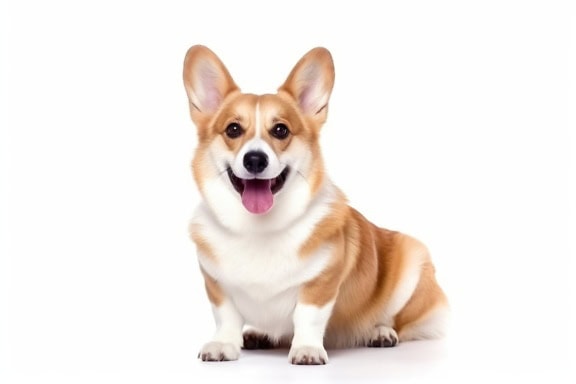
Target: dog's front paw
x,y
217,351
307,355
383,336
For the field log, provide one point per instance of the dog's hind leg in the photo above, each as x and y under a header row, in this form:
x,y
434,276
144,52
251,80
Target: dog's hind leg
x,y
430,326
426,314
400,285
416,307
257,340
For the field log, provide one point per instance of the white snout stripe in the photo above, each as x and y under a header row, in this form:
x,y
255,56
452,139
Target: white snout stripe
x,y
257,144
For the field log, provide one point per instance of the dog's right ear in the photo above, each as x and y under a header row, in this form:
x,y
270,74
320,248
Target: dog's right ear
x,y
207,82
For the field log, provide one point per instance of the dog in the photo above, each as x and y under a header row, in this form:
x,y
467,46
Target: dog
x,y
285,260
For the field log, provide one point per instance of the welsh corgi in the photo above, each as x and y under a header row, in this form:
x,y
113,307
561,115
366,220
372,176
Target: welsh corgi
x,y
286,261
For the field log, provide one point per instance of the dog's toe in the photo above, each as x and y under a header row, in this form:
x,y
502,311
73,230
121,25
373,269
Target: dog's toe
x,y
216,351
308,355
383,337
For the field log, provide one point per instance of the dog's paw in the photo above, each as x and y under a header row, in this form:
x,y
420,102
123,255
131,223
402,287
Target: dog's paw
x,y
307,355
217,351
383,336
257,340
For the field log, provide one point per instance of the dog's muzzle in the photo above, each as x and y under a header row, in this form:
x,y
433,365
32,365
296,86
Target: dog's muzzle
x,y
258,194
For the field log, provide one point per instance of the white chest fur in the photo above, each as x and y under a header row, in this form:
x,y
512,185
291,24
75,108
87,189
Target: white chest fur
x,y
261,272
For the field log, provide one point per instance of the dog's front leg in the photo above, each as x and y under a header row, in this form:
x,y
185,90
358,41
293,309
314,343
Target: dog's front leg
x,y
311,315
310,322
227,340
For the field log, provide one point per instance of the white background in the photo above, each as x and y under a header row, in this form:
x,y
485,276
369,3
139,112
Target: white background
x,y
453,121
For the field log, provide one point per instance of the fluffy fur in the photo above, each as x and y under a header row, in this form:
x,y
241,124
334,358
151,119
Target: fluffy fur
x,y
285,260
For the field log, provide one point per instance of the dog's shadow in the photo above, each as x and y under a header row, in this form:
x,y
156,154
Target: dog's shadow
x,y
417,353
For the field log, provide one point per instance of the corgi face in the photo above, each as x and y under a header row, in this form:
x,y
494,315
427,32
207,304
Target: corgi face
x,y
258,156
259,152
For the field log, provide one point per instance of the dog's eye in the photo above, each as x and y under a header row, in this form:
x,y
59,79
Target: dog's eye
x,y
234,130
280,131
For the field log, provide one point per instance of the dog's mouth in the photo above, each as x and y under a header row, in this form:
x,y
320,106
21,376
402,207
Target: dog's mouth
x,y
258,194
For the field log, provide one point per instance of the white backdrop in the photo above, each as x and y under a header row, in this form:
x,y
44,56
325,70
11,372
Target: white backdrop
x,y
452,121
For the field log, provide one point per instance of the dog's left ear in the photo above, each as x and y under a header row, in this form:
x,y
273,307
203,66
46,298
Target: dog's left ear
x,y
310,83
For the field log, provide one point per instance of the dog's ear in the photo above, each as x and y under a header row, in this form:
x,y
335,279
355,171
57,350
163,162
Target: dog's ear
x,y
207,82
310,83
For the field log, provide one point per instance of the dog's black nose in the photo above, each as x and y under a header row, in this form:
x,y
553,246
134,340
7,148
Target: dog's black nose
x,y
255,161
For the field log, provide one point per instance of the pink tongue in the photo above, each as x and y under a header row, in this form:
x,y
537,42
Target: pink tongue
x,y
257,196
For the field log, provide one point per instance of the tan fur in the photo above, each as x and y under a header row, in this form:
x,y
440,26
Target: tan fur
x,y
202,246
377,256
330,227
213,289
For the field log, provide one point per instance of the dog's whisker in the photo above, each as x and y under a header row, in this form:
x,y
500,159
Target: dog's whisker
x,y
299,173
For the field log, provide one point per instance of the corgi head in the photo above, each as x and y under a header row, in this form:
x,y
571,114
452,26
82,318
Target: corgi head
x,y
258,159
